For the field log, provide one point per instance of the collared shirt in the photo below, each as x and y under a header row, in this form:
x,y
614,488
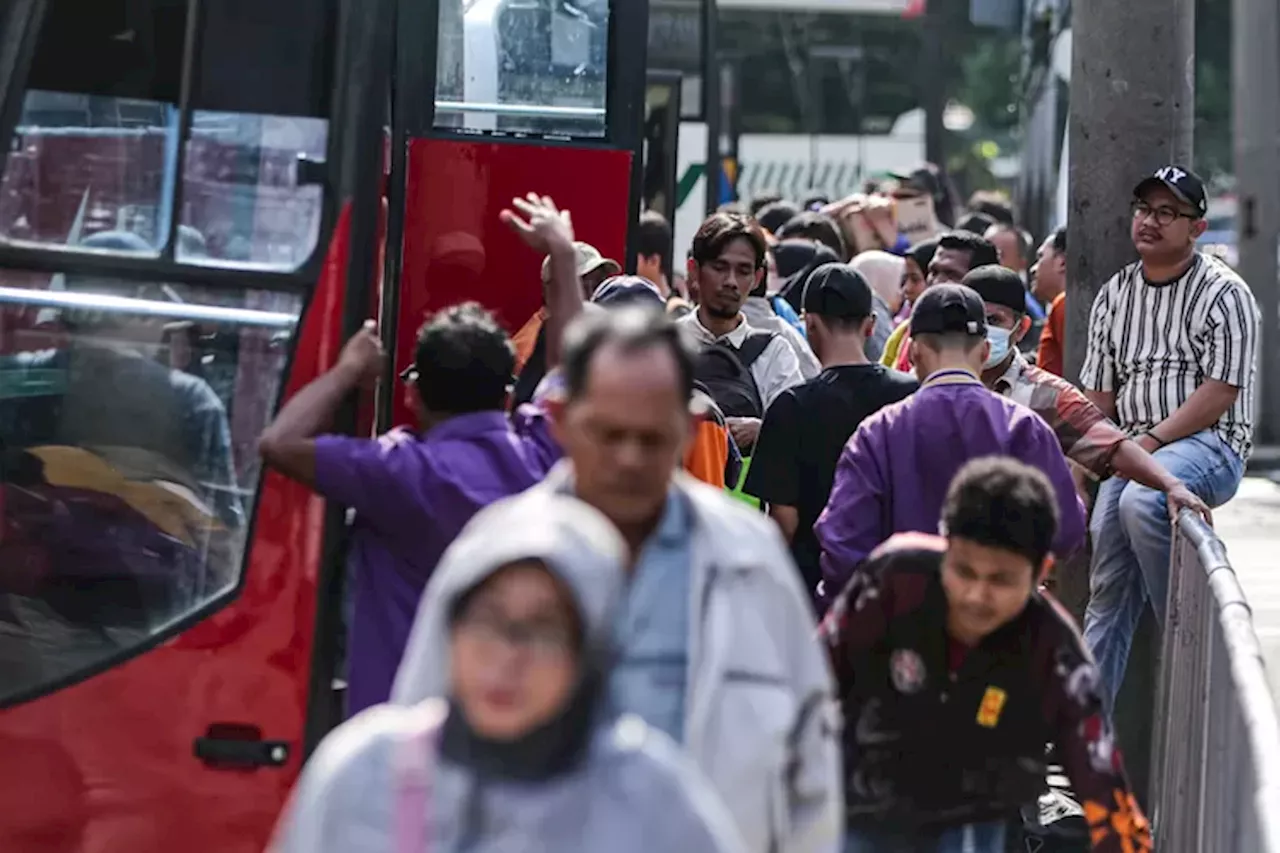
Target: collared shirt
x,y
1152,344
649,679
412,494
894,473
777,368
1088,437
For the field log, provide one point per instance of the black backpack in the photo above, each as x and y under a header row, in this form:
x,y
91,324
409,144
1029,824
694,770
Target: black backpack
x,y
725,373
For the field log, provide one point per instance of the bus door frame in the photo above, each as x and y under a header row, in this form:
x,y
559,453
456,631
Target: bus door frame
x,y
673,82
413,114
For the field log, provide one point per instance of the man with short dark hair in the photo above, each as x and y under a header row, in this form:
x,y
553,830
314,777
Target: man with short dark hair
x,y
816,226
1013,245
715,619
1087,436
954,672
1173,340
808,425
775,214
957,252
893,473
653,250
762,200
412,491
744,368
1049,285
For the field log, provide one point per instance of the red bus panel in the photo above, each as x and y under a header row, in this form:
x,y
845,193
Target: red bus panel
x,y
108,764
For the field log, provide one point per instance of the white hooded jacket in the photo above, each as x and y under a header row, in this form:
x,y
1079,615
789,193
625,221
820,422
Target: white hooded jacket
x,y
632,791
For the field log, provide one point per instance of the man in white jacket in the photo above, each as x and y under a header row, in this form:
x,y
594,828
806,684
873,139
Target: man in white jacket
x,y
716,638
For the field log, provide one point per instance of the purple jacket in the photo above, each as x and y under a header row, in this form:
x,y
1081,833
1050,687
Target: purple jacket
x,y
894,473
412,495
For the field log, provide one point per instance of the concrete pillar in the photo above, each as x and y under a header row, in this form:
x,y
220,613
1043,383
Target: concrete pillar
x,y
1255,43
1132,110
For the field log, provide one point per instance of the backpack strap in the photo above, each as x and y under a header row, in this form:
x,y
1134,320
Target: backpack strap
x,y
754,346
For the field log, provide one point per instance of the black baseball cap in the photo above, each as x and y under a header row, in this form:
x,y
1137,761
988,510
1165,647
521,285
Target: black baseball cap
x,y
795,260
839,292
1180,181
946,309
999,286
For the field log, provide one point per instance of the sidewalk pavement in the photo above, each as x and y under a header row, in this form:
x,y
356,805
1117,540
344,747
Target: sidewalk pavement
x,y
1250,527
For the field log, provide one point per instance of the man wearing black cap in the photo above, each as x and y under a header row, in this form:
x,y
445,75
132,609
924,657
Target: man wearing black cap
x,y
894,472
808,425
1172,344
1087,435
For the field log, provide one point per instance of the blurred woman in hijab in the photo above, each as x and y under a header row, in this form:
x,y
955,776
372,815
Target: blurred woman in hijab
x,y
520,755
883,272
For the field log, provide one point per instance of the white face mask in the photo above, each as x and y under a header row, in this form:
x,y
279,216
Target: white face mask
x,y
1000,340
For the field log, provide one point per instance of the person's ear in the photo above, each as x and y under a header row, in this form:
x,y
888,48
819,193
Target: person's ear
x,y
869,326
1024,326
1198,228
413,401
1046,566
984,351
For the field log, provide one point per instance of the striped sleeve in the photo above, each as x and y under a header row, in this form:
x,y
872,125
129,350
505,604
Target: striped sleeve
x,y
1099,370
1232,340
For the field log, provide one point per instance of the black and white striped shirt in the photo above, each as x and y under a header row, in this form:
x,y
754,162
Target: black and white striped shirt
x,y
1153,344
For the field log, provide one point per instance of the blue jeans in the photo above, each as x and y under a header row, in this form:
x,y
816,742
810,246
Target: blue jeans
x,y
970,838
1132,542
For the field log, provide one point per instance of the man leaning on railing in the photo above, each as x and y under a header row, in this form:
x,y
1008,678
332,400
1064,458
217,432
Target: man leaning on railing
x,y
1172,340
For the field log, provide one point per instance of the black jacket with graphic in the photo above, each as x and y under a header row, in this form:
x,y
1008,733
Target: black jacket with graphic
x,y
927,747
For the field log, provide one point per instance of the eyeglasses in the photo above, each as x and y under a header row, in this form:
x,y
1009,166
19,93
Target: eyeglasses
x,y
1162,215
545,642
409,374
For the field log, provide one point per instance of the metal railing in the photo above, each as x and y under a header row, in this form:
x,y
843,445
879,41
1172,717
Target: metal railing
x,y
1216,759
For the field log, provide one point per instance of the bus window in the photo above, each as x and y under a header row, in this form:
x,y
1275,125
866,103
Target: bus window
x,y
96,144
81,164
128,417
523,66
242,191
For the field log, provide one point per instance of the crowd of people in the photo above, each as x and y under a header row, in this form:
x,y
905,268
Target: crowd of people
x,y
756,559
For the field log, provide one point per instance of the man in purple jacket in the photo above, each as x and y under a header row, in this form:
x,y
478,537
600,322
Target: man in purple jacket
x,y
894,473
413,492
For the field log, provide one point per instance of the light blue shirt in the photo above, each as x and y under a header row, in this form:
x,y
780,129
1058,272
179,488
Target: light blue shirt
x,y
653,629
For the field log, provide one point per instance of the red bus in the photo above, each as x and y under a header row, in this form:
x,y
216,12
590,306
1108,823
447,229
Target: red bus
x,y
199,202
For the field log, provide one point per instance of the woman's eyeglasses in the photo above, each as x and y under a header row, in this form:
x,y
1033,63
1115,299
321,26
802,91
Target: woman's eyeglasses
x,y
543,640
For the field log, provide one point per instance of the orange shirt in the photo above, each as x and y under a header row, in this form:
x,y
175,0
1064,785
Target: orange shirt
x,y
1054,336
525,339
708,453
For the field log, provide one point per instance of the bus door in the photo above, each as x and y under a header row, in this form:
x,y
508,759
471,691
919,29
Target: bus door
x,y
661,134
682,38
188,214
517,96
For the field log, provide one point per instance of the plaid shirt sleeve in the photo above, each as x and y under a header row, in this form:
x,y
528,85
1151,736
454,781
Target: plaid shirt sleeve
x,y
1088,437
